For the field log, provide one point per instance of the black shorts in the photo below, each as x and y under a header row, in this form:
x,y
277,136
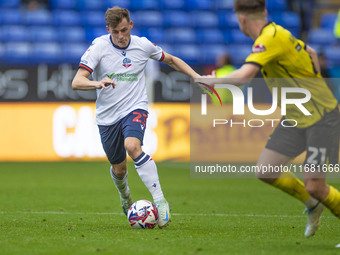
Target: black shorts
x,y
112,137
321,140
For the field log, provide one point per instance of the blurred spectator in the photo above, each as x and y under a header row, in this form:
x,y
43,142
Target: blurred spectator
x,y
224,67
337,27
305,9
32,5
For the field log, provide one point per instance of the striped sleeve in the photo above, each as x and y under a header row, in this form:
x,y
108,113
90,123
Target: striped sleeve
x,y
162,57
85,67
91,57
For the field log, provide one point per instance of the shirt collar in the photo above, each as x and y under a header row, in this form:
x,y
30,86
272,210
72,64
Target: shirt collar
x,y
117,47
269,22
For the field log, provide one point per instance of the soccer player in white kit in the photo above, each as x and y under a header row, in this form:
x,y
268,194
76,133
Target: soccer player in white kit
x,y
117,62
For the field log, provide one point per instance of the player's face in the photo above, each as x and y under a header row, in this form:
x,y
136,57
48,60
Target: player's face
x,y
121,34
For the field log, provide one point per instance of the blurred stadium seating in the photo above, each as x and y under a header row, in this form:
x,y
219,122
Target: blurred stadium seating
x,y
172,18
277,5
333,55
196,30
289,20
66,18
328,20
209,54
18,53
321,36
9,3
47,53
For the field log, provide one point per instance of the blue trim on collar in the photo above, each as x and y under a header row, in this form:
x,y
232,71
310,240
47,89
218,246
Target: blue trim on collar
x,y
117,47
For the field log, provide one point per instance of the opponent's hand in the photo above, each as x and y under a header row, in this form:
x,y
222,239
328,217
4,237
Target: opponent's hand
x,y
106,82
212,75
206,79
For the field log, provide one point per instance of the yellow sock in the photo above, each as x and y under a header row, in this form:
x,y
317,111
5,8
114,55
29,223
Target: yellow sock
x,y
332,201
290,184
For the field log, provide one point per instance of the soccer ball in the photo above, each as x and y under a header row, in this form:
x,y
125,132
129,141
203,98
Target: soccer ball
x,y
143,214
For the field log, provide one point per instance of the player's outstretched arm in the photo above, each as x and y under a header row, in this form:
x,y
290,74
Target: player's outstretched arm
x,y
81,81
245,73
312,53
240,76
179,65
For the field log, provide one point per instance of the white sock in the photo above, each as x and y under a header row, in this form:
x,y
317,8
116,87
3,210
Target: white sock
x,y
311,202
121,184
147,171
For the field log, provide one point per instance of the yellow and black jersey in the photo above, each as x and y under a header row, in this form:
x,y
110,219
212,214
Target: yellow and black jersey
x,y
280,55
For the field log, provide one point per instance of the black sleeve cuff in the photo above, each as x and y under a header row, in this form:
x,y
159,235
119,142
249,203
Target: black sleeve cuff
x,y
254,63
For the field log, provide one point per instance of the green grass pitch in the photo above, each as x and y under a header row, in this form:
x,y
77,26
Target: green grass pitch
x,y
73,208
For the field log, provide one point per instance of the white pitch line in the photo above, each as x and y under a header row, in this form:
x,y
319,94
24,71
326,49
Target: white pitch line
x,y
175,214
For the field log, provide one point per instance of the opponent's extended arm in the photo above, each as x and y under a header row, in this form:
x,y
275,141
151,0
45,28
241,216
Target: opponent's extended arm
x,y
312,53
240,76
179,65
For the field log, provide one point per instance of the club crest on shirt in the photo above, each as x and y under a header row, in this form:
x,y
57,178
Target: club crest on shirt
x,y
126,62
258,48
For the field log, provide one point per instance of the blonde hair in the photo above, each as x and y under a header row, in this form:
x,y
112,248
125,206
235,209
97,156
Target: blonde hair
x,y
115,15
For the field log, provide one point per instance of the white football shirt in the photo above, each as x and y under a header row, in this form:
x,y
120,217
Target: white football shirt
x,y
126,67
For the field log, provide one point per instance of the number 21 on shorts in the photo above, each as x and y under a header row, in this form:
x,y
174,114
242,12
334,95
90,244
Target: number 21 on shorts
x,y
316,153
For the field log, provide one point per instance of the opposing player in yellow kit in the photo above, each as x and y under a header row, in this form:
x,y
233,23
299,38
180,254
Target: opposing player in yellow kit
x,y
278,54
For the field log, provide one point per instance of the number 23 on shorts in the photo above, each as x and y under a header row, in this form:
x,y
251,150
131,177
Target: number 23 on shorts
x,y
140,118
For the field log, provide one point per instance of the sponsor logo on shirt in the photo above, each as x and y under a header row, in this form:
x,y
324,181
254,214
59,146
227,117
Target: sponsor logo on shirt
x,y
258,48
111,75
129,77
127,62
124,53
